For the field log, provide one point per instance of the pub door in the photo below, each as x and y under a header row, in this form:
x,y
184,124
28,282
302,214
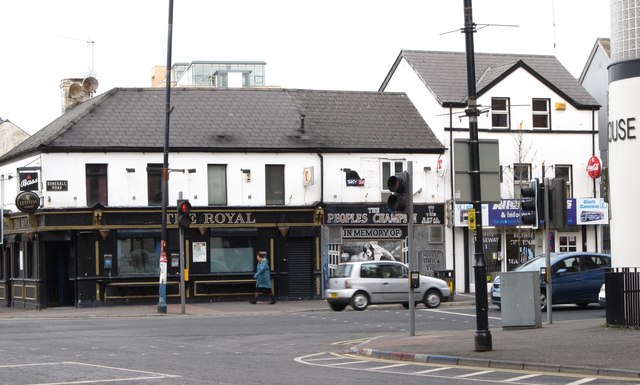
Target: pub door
x,y
60,290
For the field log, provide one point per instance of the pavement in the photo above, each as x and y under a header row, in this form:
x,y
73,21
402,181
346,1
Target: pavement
x,y
585,347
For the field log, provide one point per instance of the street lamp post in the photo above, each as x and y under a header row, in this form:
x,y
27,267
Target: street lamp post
x,y
483,335
162,300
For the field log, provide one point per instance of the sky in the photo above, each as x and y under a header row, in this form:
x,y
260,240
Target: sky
x,y
307,44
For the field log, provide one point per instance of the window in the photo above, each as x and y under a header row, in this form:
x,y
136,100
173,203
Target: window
x,y
521,177
231,255
154,184
567,243
500,112
274,184
541,115
217,184
389,168
564,171
138,256
96,179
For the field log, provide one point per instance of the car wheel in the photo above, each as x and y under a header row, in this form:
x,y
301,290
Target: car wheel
x,y
432,299
582,304
543,301
360,301
337,306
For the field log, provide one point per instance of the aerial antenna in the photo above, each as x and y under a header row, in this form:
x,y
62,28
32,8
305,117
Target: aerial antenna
x,y
90,42
553,22
481,26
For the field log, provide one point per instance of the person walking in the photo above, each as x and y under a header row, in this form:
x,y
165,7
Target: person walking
x,y
263,279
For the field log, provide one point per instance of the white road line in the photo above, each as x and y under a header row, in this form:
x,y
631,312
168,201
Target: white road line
x,y
348,363
325,359
431,370
456,313
520,378
582,381
389,366
474,374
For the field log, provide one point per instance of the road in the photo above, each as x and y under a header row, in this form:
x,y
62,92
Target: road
x,y
252,348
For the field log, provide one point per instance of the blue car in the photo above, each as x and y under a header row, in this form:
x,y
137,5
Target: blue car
x,y
576,277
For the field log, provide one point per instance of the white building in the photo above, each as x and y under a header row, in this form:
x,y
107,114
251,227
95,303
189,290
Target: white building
x,y
546,125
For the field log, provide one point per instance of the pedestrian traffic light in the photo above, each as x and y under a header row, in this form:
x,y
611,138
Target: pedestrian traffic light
x,y
184,213
398,184
531,195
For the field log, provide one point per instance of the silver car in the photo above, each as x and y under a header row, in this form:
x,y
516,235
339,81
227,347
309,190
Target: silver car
x,y
363,283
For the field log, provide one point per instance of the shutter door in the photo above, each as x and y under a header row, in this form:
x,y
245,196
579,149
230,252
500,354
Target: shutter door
x,y
300,268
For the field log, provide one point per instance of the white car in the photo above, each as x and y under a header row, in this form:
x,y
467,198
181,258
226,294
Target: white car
x,y
363,283
601,297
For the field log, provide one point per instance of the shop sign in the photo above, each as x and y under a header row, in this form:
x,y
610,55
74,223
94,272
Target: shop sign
x,y
27,202
357,214
594,167
371,232
29,181
57,185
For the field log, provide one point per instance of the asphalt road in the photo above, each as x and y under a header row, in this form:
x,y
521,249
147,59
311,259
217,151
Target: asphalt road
x,y
253,348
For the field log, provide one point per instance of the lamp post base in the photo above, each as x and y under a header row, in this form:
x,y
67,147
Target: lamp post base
x,y
483,341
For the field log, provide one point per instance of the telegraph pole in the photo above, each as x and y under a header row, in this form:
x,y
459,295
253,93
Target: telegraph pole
x,y
162,300
483,335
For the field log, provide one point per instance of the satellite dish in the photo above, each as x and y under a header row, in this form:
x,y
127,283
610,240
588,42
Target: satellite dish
x,y
90,85
75,91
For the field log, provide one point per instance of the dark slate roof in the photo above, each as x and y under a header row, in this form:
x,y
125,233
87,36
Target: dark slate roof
x,y
445,75
233,120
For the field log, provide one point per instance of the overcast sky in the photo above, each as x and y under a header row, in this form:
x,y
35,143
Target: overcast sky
x,y
328,44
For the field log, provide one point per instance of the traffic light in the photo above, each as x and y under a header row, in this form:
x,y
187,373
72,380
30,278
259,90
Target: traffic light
x,y
398,184
558,204
184,213
530,204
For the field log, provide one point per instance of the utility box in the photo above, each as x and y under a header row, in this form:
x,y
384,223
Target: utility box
x,y
520,299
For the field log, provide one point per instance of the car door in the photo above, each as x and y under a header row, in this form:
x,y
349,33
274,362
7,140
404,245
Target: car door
x,y
592,273
371,281
566,284
395,285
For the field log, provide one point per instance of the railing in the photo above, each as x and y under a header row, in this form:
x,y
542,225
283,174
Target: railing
x,y
622,289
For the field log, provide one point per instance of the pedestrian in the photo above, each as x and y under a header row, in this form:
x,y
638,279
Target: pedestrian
x,y
263,279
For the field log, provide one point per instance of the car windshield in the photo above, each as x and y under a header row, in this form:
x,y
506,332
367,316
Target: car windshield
x,y
342,271
532,265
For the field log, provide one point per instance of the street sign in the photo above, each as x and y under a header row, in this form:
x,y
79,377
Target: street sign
x,y
471,217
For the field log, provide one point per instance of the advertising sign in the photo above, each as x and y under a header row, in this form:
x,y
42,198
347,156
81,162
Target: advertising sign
x,y
29,181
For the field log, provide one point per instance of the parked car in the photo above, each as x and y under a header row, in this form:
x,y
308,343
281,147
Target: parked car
x,y
576,277
602,300
363,283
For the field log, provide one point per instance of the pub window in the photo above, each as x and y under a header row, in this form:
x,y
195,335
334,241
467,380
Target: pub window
x,y
138,256
389,168
96,178
500,112
30,261
274,184
154,184
217,184
541,113
231,255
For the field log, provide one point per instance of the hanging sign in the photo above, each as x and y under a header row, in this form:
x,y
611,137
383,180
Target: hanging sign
x,y
594,167
27,201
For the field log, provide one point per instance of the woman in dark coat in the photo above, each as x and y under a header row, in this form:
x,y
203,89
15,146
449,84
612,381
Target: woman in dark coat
x,y
263,279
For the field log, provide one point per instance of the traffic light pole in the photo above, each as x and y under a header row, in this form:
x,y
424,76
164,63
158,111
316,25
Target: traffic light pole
x,y
547,259
483,335
411,252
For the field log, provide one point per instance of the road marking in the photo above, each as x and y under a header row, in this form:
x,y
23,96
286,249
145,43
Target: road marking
x,y
456,313
348,363
474,374
582,381
432,370
520,378
389,366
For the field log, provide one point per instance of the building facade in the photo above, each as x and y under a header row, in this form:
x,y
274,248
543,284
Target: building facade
x,y
543,124
278,170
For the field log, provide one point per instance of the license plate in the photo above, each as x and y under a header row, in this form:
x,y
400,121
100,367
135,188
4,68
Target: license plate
x,y
333,295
